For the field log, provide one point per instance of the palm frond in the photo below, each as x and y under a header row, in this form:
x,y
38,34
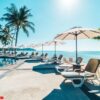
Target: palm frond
x,y
6,36
25,30
31,27
18,19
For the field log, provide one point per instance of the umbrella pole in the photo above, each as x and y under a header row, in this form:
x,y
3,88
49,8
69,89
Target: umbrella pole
x,y
42,48
55,56
55,48
76,48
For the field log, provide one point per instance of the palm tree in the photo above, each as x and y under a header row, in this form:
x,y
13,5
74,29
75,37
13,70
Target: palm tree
x,y
5,36
18,19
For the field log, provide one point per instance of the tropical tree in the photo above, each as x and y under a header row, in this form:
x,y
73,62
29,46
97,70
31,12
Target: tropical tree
x,y
18,19
5,36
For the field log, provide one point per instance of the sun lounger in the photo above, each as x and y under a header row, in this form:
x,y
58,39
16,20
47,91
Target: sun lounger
x,y
68,65
45,57
32,55
39,57
22,55
36,54
51,60
79,76
55,60
59,59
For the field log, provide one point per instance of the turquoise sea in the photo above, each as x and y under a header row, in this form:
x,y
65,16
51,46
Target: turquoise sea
x,y
86,55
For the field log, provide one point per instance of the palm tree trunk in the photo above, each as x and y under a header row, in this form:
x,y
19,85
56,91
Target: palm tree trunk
x,y
16,41
17,31
4,50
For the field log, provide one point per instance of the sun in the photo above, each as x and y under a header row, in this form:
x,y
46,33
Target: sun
x,y
68,5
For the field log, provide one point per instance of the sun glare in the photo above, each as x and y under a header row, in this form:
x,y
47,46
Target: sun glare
x,y
68,5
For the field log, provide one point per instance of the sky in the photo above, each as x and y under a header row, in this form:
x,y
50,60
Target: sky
x,y
52,17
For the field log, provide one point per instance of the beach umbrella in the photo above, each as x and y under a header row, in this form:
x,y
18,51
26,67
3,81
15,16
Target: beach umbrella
x,y
55,43
39,45
78,33
44,44
42,48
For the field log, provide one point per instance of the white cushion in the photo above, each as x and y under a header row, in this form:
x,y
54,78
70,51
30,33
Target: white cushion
x,y
70,74
76,74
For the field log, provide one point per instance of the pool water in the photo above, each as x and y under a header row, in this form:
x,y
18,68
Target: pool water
x,y
6,61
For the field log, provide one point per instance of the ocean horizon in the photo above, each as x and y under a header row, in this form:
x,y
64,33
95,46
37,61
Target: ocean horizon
x,y
86,55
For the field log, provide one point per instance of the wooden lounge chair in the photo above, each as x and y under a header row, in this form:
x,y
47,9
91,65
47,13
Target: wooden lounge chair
x,y
79,76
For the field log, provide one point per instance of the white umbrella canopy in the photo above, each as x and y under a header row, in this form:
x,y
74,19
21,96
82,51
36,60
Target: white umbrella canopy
x,y
55,43
78,33
30,45
38,46
34,45
82,33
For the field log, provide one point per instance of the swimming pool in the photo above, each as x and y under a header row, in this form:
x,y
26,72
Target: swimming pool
x,y
6,61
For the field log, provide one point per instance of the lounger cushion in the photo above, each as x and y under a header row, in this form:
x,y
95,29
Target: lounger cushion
x,y
71,75
76,74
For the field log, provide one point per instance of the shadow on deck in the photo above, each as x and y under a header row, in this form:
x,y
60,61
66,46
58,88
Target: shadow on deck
x,y
45,68
66,92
